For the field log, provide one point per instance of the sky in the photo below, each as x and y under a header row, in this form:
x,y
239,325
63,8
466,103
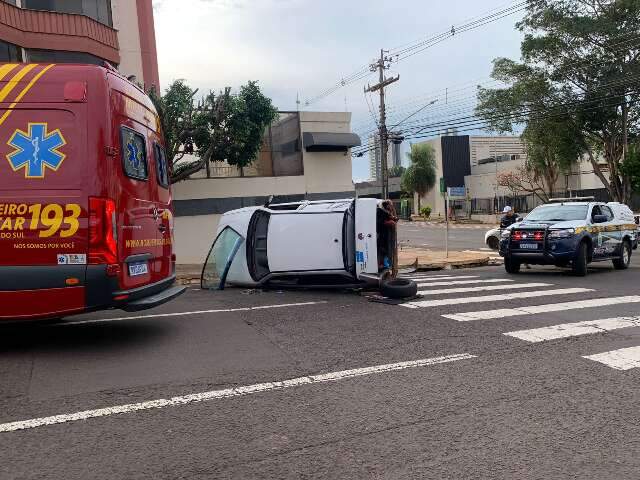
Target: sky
x,y
299,48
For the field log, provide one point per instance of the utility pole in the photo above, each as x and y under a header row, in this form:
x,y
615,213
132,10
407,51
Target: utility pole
x,y
381,65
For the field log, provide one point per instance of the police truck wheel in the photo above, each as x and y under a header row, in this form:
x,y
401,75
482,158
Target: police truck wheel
x,y
511,266
623,261
579,266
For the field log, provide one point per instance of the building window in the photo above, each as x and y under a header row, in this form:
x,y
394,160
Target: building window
x,y
59,56
10,52
99,10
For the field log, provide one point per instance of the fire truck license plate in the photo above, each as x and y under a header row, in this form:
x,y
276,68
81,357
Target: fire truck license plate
x,y
139,268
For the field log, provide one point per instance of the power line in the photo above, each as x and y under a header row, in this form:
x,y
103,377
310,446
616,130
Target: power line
x,y
580,63
423,45
480,124
520,113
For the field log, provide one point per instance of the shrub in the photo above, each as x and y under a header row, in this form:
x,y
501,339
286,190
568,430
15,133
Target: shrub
x,y
425,211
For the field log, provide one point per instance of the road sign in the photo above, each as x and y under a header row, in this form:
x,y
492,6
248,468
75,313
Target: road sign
x,y
457,192
442,188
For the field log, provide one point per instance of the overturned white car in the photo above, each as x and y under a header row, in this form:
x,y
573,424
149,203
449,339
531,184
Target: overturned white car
x,y
348,243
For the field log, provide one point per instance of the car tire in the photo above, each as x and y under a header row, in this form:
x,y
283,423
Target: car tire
x,y
579,264
622,263
493,243
399,288
511,266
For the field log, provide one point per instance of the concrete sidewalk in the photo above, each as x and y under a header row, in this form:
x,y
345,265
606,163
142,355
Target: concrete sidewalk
x,y
416,258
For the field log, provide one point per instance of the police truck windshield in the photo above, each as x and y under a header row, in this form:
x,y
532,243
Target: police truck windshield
x,y
557,213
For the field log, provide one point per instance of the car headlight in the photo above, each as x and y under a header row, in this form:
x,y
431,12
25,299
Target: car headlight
x,y
505,234
562,233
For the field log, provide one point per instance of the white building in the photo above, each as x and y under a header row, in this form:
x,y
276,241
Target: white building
x,y
394,156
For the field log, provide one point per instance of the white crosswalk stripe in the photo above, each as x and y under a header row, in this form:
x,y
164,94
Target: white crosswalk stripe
x,y
492,298
450,290
510,286
553,307
576,329
622,359
438,277
420,278
463,282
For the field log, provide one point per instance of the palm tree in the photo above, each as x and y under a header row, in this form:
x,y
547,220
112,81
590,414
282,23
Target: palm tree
x,y
420,177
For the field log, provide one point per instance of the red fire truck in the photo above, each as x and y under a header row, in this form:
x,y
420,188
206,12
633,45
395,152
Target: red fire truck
x,y
85,201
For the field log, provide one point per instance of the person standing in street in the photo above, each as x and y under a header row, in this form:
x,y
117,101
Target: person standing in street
x,y
509,217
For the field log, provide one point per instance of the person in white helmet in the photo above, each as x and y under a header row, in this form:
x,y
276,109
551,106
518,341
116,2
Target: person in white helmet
x,y
509,217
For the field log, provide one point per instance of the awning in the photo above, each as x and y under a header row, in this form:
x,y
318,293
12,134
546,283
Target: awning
x,y
329,142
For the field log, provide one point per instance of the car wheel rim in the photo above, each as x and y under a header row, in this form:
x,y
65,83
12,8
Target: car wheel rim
x,y
625,255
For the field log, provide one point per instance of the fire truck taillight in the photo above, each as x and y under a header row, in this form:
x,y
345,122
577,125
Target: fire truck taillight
x,y
103,238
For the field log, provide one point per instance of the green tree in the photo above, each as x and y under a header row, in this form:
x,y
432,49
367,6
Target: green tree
x,y
420,176
235,136
581,58
176,113
396,171
551,140
221,126
631,166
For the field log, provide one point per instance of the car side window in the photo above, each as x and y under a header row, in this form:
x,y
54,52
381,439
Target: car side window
x,y
607,211
161,166
134,154
595,211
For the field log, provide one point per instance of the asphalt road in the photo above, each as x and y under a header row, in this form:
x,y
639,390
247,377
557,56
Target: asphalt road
x,y
435,391
461,237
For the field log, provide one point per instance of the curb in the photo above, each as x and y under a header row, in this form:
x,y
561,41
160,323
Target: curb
x,y
445,265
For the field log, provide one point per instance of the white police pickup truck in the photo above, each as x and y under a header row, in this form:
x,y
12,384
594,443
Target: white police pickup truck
x,y
571,231
348,243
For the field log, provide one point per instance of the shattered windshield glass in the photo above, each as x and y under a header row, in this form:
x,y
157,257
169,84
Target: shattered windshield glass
x,y
221,255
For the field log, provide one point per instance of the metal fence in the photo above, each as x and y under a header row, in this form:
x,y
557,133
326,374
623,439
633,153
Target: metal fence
x,y
526,203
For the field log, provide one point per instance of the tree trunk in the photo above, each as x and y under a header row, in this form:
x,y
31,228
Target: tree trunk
x,y
626,181
241,171
597,171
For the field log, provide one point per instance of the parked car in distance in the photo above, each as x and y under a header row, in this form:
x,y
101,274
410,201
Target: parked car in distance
x,y
624,214
331,243
492,238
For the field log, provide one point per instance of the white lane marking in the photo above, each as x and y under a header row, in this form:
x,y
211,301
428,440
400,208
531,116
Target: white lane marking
x,y
229,392
552,307
463,282
565,330
438,277
510,286
622,359
197,312
497,298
